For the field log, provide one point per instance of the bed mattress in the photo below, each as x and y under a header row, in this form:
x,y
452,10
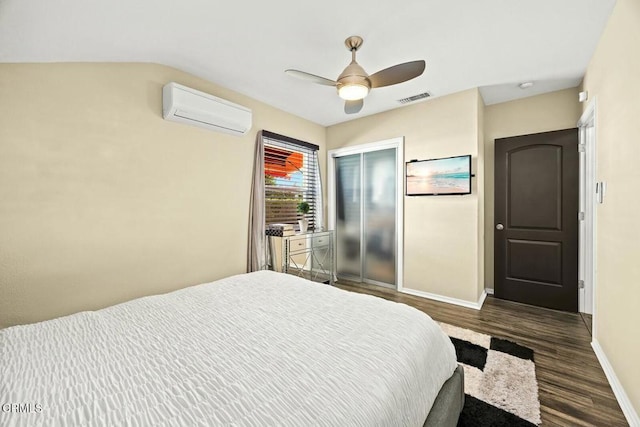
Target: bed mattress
x,y
256,349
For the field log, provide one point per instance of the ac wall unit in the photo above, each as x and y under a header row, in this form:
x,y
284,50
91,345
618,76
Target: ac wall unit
x,y
186,105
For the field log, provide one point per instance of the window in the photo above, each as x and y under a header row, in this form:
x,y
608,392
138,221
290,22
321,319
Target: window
x,y
291,177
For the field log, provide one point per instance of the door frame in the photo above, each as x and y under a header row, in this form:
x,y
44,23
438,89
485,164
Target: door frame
x,y
398,144
587,242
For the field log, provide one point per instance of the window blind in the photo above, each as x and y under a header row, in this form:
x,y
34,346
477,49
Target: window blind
x,y
290,169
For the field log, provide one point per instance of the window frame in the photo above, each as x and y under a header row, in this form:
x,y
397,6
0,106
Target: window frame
x,y
310,187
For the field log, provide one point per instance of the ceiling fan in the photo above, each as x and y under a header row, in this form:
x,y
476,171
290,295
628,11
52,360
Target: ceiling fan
x,y
354,83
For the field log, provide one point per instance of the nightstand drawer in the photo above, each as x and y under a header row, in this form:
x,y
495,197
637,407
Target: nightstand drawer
x,y
320,241
298,245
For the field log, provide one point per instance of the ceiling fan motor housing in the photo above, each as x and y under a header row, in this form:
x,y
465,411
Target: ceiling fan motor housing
x,y
354,74
353,84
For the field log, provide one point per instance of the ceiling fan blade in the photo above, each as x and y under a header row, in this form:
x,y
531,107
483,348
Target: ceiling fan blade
x,y
311,77
352,107
397,74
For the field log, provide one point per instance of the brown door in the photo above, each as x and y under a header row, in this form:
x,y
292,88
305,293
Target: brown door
x,y
536,219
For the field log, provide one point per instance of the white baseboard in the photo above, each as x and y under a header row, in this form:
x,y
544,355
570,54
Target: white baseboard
x,y
481,299
489,291
463,303
624,401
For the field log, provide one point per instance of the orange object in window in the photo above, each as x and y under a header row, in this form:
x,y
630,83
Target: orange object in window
x,y
281,163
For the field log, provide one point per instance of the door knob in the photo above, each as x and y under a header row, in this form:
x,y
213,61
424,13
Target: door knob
x,y
499,227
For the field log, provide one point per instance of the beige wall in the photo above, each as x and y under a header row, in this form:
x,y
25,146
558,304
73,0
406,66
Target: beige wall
x,y
612,79
103,200
541,113
441,239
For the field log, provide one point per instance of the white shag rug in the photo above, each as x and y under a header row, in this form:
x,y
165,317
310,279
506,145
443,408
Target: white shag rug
x,y
498,372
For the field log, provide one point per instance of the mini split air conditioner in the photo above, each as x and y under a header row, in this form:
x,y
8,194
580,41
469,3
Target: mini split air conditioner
x,y
186,105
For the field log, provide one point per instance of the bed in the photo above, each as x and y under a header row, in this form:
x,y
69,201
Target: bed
x,y
255,349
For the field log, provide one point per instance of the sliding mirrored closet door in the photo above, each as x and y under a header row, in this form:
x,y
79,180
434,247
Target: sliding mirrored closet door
x,y
379,212
349,216
366,197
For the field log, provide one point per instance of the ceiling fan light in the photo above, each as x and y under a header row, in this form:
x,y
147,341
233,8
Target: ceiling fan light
x,y
353,92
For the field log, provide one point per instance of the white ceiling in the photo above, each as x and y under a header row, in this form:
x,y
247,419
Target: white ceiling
x,y
247,45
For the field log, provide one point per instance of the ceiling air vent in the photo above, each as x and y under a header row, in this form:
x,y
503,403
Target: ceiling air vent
x,y
414,98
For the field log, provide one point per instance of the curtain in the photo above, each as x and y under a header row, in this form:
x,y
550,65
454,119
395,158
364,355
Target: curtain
x,y
319,207
256,254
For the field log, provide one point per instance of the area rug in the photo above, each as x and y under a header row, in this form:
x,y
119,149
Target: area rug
x,y
500,380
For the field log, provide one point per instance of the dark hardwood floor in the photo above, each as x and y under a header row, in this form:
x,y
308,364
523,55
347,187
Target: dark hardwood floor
x,y
572,386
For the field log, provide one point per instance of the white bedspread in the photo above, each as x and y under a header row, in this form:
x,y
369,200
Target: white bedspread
x,y
258,349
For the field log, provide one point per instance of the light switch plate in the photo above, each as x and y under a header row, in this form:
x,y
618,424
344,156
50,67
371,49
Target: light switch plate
x,y
601,188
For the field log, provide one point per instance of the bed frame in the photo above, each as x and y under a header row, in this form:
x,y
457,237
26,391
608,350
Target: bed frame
x,y
449,402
